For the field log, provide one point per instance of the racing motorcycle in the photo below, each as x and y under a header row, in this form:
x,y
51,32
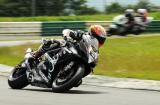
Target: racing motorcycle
x,y
60,69
122,28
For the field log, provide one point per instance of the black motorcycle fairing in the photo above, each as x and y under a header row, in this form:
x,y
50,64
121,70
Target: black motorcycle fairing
x,y
62,59
76,59
83,57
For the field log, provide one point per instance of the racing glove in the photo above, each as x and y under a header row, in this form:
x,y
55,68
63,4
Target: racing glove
x,y
75,35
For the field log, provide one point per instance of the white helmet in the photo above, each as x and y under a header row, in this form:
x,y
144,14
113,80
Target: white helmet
x,y
142,11
129,11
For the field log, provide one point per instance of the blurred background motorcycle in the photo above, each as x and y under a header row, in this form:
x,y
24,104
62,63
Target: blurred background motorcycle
x,y
130,23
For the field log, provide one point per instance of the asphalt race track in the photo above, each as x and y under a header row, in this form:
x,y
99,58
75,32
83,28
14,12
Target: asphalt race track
x,y
83,95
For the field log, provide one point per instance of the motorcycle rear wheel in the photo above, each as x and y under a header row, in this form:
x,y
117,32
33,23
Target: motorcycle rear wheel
x,y
77,75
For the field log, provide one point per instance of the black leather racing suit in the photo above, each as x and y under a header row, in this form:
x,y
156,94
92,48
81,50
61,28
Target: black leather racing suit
x,y
51,44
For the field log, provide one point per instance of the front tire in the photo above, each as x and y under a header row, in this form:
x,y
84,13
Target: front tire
x,y
18,78
76,77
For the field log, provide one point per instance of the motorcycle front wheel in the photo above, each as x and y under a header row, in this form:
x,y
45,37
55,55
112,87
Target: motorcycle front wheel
x,y
18,78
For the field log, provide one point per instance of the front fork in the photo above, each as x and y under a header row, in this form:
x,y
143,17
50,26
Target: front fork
x,y
31,65
35,76
31,72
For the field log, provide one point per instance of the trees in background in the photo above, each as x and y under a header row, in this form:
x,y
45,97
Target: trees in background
x,y
118,8
79,7
62,7
15,8
44,7
115,7
144,4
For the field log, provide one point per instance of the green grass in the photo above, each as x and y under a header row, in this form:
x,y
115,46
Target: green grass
x,y
13,55
59,18
131,57
98,17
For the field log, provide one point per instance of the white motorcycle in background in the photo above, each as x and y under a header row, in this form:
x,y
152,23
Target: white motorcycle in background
x,y
120,26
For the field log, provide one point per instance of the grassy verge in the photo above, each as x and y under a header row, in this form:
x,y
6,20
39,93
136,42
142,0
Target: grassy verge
x,y
59,18
98,17
131,57
13,55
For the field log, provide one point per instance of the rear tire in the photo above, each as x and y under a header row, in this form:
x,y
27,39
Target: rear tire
x,y
18,78
78,75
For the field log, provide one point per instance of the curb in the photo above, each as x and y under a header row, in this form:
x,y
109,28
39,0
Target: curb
x,y
124,83
105,81
5,70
